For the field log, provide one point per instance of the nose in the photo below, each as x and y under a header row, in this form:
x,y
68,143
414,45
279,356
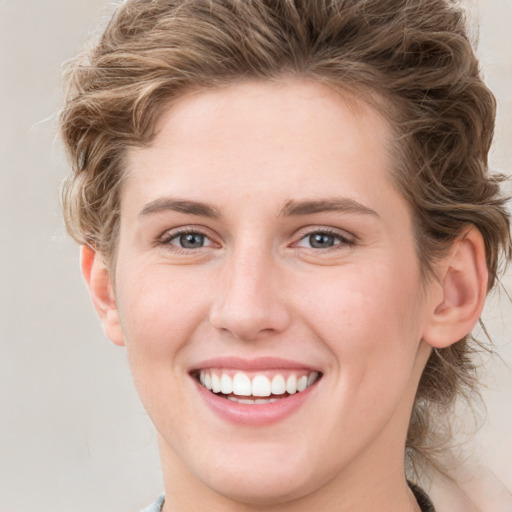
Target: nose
x,y
250,303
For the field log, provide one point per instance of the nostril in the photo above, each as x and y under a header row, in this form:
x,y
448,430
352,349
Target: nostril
x,y
248,324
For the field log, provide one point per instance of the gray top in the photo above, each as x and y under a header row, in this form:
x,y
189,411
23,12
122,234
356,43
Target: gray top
x,y
156,506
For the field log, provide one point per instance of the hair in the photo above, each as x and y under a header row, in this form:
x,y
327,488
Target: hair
x,y
412,60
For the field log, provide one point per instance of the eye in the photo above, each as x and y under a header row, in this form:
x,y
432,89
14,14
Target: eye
x,y
187,240
323,240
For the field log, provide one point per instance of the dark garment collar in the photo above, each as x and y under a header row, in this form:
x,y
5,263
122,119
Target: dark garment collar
x,y
423,500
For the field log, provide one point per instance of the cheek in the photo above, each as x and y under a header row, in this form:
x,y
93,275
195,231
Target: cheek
x,y
159,310
159,315
370,321
376,298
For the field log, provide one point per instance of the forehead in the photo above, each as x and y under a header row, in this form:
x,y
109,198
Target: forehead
x,y
260,144
265,124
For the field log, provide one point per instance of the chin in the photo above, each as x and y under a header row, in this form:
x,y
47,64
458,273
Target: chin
x,y
255,488
260,480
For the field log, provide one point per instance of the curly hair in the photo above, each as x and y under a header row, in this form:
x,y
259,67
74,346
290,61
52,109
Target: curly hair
x,y
411,60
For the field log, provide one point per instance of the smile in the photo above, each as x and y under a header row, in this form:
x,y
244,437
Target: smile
x,y
260,388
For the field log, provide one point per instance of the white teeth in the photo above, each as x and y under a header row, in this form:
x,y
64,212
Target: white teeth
x,y
260,386
278,385
312,378
291,384
226,384
215,383
251,402
302,383
242,385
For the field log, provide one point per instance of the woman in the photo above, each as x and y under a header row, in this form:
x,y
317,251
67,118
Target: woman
x,y
287,219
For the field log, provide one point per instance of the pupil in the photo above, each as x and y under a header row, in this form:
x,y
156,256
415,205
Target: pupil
x,y
321,240
191,240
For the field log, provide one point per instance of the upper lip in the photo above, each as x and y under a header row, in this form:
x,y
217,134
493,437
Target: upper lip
x,y
256,364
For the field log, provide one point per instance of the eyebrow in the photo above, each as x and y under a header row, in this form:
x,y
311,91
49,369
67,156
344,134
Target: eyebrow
x,y
336,204
181,206
290,209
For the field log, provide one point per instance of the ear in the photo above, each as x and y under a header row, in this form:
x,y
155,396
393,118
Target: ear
x,y
463,277
97,279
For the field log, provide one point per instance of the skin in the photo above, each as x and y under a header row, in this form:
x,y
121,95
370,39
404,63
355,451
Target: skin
x,y
356,309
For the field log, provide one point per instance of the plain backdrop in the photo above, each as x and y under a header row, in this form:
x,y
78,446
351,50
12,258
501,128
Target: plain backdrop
x,y
73,435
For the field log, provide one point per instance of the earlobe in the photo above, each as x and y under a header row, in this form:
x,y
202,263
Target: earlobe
x,y
463,278
97,279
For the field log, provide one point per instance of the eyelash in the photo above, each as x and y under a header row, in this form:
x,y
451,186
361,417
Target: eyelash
x,y
343,240
166,239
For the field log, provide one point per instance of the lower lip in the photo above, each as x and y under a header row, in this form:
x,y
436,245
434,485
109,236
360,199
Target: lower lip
x,y
257,414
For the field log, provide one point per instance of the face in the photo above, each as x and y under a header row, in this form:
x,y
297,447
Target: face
x,y
268,291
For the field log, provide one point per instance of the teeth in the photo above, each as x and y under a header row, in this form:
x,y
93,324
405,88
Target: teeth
x,y
250,402
241,385
226,384
302,383
312,378
278,385
265,400
261,386
291,384
215,383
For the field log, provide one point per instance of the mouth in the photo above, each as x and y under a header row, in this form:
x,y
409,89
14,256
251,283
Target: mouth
x,y
256,388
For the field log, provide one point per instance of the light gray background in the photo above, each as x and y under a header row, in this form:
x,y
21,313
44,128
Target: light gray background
x,y
73,436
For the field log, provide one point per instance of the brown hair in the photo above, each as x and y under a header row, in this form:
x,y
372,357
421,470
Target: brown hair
x,y
412,60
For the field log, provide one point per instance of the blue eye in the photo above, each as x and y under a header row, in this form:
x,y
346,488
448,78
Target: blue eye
x,y
187,240
191,240
323,240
